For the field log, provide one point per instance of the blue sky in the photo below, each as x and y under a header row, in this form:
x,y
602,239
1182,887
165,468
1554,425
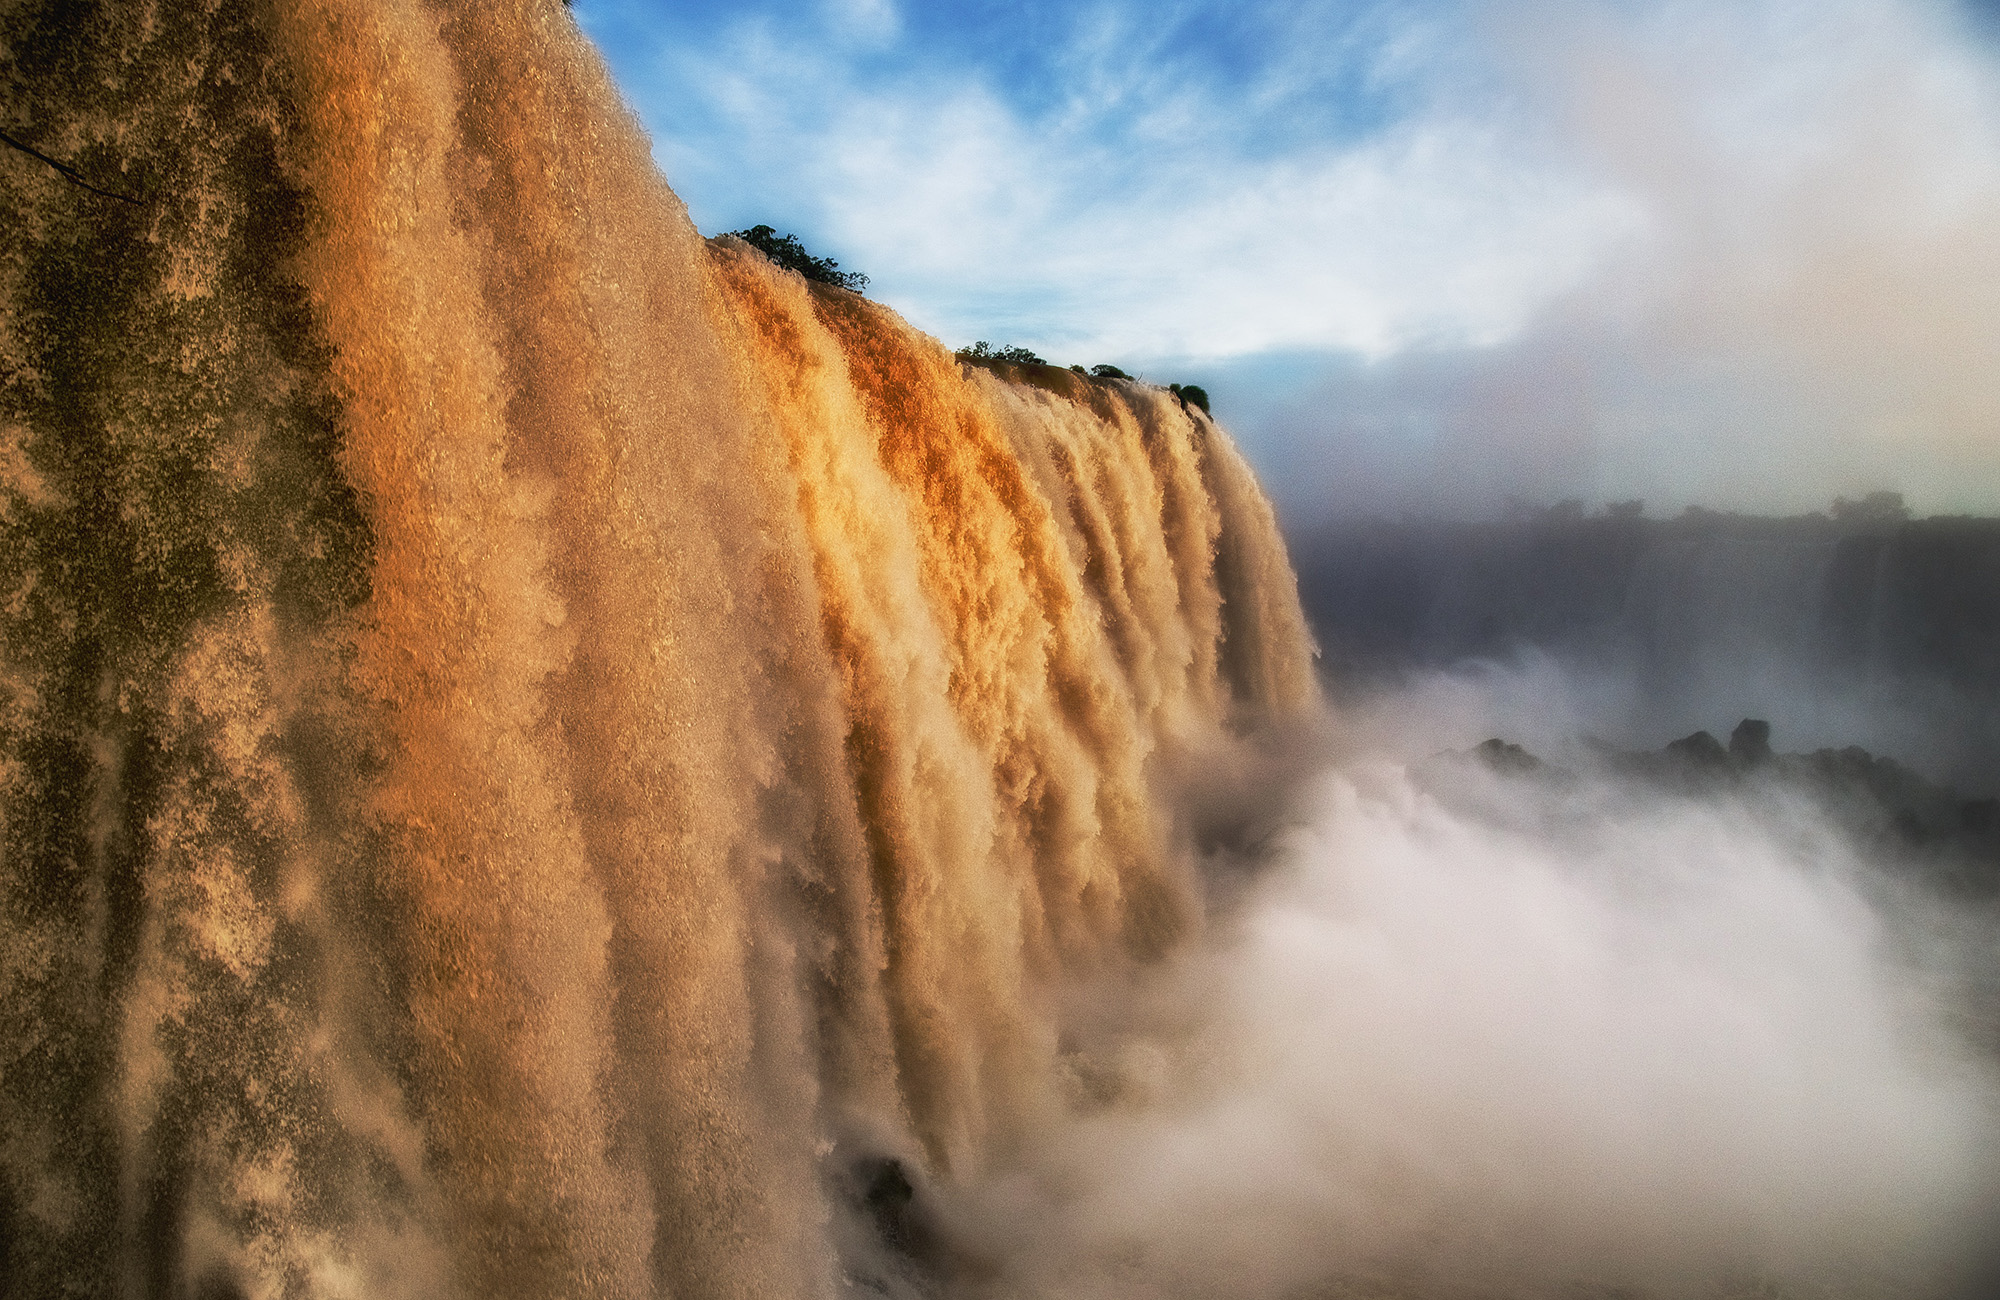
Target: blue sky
x,y
1425,256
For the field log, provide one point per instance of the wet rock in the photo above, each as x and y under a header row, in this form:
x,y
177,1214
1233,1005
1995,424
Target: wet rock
x,y
1505,757
1750,743
889,1199
1699,750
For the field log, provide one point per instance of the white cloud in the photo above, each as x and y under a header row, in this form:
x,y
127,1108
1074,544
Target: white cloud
x,y
864,22
1146,213
1432,232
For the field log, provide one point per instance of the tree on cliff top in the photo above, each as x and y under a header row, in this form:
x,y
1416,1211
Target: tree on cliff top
x,y
984,351
788,252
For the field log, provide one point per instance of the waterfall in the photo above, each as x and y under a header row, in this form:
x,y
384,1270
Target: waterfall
x,y
535,748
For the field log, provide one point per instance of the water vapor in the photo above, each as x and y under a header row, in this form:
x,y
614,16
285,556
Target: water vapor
x,y
1467,1034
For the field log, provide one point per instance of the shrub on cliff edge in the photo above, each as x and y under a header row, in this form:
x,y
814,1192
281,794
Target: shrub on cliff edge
x,y
788,252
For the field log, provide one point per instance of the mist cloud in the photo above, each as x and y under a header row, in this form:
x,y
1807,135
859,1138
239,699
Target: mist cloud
x,y
1467,1036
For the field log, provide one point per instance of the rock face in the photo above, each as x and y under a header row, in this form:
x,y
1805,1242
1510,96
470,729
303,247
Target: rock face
x,y
1858,628
1700,750
1502,756
1750,743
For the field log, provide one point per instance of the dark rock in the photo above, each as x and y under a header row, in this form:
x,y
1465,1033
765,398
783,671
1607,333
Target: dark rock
x,y
889,1199
1750,743
1505,757
1699,750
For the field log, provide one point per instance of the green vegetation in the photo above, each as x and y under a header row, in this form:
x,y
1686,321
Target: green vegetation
x,y
984,351
787,252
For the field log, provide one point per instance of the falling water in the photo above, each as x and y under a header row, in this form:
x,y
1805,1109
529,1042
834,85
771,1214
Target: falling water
x,y
533,745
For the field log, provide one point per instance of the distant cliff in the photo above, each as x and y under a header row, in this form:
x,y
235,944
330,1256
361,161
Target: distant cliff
x,y
1887,627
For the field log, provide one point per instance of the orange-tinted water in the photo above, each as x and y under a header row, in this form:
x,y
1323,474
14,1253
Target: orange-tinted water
x,y
531,741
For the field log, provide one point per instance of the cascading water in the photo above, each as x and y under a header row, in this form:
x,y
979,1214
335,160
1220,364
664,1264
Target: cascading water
x,y
531,743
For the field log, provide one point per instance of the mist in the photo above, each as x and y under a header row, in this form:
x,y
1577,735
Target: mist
x,y
1455,1032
